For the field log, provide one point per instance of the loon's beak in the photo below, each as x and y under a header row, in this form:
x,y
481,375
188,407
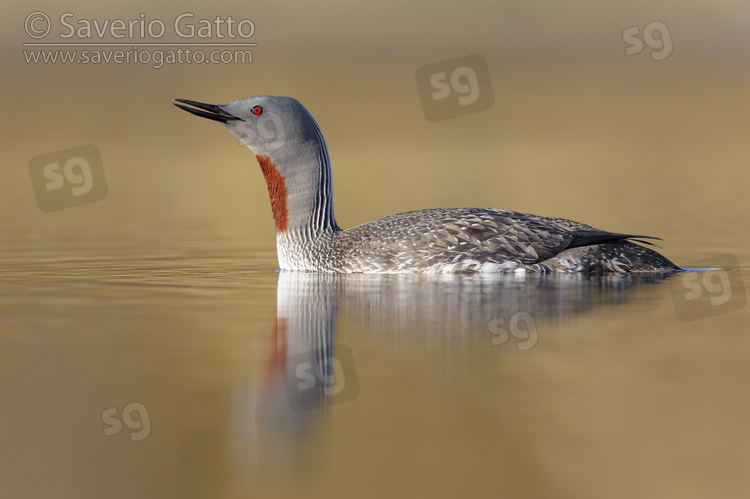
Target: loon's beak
x,y
210,111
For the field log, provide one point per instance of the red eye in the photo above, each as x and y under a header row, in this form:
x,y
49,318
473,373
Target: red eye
x,y
256,110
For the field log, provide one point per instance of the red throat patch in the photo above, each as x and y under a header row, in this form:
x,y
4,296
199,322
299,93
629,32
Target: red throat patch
x,y
276,191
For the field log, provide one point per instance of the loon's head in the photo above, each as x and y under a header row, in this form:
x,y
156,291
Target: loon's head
x,y
267,124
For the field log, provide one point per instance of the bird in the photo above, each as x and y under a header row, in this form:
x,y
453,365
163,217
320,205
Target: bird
x,y
293,156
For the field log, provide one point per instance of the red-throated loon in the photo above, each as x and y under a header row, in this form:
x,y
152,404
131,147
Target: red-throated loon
x,y
293,156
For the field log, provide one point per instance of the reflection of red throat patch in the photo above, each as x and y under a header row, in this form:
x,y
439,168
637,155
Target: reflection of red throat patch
x,y
276,191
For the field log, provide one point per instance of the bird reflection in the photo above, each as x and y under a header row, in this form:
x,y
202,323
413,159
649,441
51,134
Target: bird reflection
x,y
308,371
422,311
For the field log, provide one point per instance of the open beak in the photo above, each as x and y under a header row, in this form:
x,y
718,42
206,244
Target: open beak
x,y
210,111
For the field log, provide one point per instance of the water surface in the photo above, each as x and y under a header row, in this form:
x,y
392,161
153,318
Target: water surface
x,y
178,367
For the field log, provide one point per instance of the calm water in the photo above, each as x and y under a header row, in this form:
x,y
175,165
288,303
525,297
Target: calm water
x,y
189,368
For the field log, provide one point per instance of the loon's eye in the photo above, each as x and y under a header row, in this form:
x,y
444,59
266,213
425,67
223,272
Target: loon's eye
x,y
256,110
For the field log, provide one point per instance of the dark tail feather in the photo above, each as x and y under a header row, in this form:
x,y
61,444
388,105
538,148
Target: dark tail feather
x,y
591,237
648,242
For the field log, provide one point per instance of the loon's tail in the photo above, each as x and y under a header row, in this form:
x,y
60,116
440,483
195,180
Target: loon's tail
x,y
591,237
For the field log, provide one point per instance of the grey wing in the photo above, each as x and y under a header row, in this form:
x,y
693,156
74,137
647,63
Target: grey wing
x,y
485,233
472,232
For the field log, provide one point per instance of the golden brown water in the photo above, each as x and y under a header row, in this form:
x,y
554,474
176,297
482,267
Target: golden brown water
x,y
148,348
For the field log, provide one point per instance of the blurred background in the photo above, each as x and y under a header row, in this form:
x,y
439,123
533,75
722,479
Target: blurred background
x,y
630,116
578,129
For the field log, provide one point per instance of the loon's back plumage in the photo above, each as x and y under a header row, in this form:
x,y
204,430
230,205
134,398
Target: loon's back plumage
x,y
471,240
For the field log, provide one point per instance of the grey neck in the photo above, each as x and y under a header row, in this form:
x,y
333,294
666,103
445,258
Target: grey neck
x,y
309,184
